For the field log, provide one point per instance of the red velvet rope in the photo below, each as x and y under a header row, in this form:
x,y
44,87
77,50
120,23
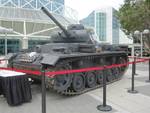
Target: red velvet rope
x,y
52,74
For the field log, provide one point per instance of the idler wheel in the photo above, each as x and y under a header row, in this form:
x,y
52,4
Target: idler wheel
x,y
78,82
91,79
62,82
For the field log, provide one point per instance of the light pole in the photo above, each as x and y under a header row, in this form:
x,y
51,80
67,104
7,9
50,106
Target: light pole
x,y
5,31
5,43
138,33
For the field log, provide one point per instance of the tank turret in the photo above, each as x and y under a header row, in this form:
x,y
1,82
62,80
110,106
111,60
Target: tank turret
x,y
75,33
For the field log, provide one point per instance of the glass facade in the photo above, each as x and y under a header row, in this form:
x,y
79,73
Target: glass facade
x,y
106,24
90,20
13,45
101,26
115,28
59,1
100,21
56,6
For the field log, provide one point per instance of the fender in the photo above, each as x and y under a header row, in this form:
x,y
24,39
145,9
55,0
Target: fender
x,y
50,59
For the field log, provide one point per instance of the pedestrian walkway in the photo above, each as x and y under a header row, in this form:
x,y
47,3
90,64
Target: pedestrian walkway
x,y
124,102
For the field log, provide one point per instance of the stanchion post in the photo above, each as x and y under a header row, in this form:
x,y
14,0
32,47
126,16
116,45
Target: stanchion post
x,y
43,90
104,106
12,66
149,73
135,66
132,90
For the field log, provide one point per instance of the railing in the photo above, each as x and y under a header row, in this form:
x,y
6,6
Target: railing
x,y
104,106
54,73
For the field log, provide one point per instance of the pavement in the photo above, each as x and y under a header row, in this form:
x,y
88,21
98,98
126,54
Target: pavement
x,y
117,97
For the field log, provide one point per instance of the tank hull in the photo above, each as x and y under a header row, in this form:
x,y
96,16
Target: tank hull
x,y
78,83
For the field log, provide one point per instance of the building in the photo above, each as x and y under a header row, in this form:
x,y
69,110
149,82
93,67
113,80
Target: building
x,y
124,39
30,25
106,25
59,1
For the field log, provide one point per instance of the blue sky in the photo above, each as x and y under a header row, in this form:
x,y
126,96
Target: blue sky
x,y
84,7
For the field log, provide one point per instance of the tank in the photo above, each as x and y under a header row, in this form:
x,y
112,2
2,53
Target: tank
x,y
74,47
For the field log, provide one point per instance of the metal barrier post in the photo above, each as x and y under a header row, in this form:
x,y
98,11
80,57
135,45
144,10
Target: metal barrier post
x,y
132,90
135,66
12,66
104,106
149,73
43,91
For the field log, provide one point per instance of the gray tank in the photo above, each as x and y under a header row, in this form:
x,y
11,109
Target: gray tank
x,y
73,48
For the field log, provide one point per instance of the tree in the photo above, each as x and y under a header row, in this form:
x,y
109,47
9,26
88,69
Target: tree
x,y
135,15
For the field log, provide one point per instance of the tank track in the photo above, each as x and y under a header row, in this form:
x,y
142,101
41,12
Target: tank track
x,y
70,92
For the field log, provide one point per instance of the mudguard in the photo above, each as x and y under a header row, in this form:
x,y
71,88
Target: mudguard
x,y
50,59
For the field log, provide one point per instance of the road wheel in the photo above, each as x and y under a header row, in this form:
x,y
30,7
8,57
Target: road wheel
x,y
78,82
108,75
91,79
99,75
62,82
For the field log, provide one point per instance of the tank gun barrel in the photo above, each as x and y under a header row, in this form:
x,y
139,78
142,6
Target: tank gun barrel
x,y
55,21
